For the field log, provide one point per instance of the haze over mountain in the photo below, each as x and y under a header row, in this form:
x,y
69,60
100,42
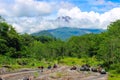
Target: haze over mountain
x,y
66,32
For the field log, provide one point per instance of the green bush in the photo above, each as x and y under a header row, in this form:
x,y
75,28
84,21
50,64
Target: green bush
x,y
116,68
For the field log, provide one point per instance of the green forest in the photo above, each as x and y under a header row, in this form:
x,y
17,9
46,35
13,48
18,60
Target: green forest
x,y
24,50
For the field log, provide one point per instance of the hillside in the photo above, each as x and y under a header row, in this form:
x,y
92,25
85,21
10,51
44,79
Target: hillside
x,y
43,33
66,32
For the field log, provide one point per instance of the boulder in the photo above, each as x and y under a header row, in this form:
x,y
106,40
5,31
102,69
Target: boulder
x,y
73,68
103,71
93,69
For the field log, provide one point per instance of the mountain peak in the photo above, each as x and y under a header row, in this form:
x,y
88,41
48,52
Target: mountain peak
x,y
64,18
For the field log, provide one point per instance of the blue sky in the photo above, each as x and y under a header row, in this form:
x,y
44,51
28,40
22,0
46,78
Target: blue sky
x,y
29,16
88,5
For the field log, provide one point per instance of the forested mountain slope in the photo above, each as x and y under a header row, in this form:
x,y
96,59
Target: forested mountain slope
x,y
67,32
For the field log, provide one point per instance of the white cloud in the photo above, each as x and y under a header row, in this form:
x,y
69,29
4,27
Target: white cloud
x,y
79,20
25,8
110,16
30,8
31,24
91,19
29,16
102,5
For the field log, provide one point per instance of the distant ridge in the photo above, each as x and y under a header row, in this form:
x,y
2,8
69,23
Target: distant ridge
x,y
43,33
66,32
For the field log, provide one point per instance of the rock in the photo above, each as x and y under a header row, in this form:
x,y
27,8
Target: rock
x,y
25,78
1,78
82,69
93,69
85,68
103,71
3,70
49,67
73,68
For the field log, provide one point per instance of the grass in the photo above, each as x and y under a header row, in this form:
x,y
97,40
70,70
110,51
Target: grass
x,y
59,75
21,62
34,63
79,61
36,74
114,76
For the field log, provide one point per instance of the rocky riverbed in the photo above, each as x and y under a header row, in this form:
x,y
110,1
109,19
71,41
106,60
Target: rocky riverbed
x,y
59,73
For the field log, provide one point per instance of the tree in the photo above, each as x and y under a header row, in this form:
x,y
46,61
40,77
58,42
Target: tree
x,y
2,19
109,50
114,29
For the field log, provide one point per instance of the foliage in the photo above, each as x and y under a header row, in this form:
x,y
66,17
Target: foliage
x,y
24,49
114,76
79,61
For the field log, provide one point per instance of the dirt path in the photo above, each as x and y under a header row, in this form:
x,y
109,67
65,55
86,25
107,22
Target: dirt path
x,y
64,73
48,73
17,75
60,73
99,77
